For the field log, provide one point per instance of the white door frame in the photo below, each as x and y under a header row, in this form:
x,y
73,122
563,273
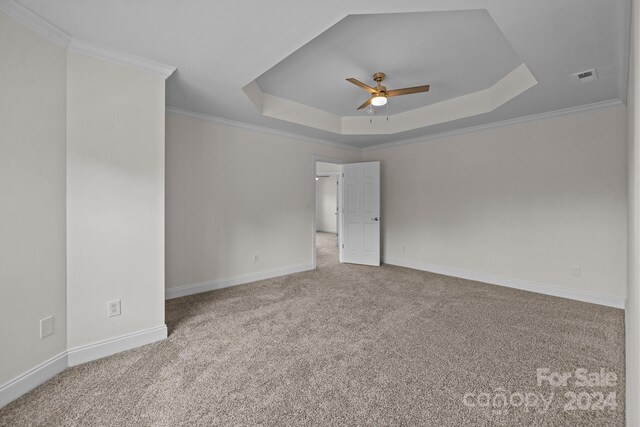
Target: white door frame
x,y
314,159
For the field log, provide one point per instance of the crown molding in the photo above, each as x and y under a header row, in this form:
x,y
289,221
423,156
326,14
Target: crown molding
x,y
121,58
534,117
35,22
234,123
504,123
72,44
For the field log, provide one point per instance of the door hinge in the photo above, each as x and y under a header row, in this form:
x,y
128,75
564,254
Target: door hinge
x,y
343,246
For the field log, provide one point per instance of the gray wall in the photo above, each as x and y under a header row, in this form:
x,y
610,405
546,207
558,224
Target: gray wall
x,y
233,193
527,202
115,199
32,197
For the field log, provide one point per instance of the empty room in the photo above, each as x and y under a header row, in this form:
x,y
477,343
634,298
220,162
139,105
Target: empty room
x,y
338,213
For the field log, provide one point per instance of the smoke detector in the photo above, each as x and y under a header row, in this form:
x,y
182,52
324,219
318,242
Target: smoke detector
x,y
586,76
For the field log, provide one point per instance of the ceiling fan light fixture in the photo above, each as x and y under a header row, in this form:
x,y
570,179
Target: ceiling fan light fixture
x,y
379,100
379,94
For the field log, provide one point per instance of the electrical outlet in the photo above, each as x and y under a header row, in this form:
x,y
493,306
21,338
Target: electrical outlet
x,y
256,257
576,271
114,308
404,248
46,327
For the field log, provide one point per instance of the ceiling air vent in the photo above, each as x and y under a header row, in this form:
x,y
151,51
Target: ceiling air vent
x,y
586,76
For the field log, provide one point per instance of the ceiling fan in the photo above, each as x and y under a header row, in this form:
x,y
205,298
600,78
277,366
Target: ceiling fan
x,y
379,94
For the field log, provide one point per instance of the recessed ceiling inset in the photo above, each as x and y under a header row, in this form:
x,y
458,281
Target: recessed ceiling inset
x,y
471,67
457,52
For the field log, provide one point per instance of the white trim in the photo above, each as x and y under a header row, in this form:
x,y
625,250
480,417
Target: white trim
x,y
37,375
59,37
121,58
13,389
258,128
35,22
100,349
197,288
280,108
504,123
594,298
322,230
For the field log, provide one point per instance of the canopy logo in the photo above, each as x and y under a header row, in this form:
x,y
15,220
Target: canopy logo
x,y
501,400
591,393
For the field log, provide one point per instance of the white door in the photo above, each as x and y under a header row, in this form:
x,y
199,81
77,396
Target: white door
x,y
360,214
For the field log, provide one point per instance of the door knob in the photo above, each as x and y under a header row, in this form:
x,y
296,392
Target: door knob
x,y
374,219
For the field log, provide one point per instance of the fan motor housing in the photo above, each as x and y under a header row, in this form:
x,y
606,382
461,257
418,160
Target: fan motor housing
x,y
378,77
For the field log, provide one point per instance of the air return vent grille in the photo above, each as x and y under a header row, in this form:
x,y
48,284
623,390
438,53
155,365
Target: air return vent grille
x,y
586,76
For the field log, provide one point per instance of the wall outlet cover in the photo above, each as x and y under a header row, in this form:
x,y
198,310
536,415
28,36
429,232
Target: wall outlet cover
x,y
114,308
46,327
576,271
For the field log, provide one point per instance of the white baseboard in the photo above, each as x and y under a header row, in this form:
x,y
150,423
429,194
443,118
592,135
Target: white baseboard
x,y
233,281
35,376
326,230
524,285
100,349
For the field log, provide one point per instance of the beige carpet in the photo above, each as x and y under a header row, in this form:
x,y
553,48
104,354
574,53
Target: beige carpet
x,y
347,345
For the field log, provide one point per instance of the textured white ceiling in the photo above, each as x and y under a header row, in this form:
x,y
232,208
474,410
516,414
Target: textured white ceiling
x,y
218,47
455,52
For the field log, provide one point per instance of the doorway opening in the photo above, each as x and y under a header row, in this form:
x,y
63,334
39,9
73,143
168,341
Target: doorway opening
x,y
326,227
346,212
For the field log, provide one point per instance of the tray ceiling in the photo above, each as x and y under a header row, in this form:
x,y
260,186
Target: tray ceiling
x,y
456,52
458,47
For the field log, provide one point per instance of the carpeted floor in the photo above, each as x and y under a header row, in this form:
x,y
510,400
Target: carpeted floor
x,y
349,345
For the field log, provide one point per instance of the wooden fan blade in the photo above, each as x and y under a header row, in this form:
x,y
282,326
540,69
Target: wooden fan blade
x,y
408,90
362,85
365,105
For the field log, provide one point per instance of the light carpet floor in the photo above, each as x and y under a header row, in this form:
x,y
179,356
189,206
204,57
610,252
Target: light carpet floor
x,y
346,345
